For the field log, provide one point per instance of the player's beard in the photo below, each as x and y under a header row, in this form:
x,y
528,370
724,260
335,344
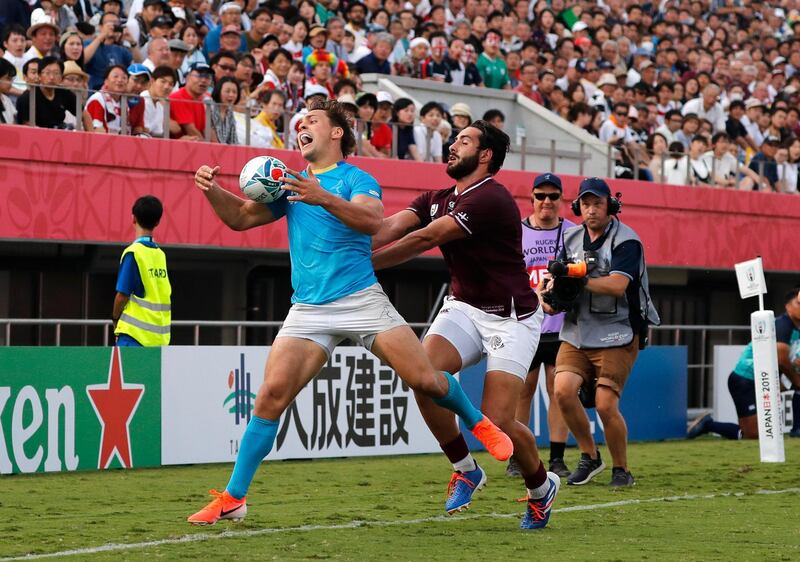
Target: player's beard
x,y
463,167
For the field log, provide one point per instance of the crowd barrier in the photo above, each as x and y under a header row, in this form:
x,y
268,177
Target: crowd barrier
x,y
94,408
76,186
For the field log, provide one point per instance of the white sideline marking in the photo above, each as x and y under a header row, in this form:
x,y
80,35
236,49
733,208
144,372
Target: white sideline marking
x,y
198,537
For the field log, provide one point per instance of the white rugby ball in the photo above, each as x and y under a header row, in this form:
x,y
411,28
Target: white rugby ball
x,y
260,179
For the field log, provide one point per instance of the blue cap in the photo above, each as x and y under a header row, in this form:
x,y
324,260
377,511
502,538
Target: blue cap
x,y
580,65
200,67
138,70
605,65
548,179
641,52
595,186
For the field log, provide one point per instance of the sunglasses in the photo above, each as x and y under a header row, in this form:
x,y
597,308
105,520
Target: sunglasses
x,y
550,196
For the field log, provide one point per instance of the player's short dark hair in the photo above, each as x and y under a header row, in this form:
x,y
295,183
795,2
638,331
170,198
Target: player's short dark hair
x,y
494,139
148,211
338,117
164,72
494,114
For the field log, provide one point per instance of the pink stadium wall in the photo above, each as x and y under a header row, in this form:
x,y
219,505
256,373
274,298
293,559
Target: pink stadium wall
x,y
58,185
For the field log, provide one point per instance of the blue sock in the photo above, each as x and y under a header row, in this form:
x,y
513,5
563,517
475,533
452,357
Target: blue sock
x,y
256,444
727,430
456,401
796,409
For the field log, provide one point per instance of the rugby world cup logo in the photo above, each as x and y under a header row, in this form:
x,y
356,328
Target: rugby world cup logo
x,y
240,400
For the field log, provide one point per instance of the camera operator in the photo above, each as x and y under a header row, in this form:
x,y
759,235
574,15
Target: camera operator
x,y
604,327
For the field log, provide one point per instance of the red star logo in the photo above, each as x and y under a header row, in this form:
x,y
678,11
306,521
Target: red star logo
x,y
115,404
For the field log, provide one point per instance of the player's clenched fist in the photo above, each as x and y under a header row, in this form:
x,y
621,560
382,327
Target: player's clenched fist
x,y
204,177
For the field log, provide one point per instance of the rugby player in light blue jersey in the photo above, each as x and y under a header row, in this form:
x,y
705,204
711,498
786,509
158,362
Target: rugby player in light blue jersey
x,y
332,209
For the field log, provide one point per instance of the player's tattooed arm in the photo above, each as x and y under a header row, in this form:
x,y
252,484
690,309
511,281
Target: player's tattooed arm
x,y
442,230
235,212
395,227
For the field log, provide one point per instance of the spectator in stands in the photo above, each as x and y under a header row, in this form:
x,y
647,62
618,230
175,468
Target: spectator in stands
x,y
382,134
55,108
792,177
495,117
403,115
43,34
272,106
436,66
71,48
280,61
74,76
462,117
103,107
178,50
139,25
189,36
676,167
491,65
426,135
147,117
138,79
461,60
545,89
657,148
356,22
8,112
528,76
699,169
230,13
30,71
707,107
689,127
377,61
109,50
158,53
725,167
754,109
186,104
763,164
13,40
224,65
777,125
411,65
260,24
335,27
367,106
736,131
226,94
320,64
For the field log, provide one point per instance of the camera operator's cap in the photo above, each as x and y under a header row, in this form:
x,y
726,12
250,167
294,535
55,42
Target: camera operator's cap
x,y
315,90
229,6
595,186
200,67
137,69
162,21
548,179
231,28
179,45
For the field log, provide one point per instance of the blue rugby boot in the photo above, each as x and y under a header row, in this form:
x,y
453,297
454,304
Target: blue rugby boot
x,y
538,513
461,487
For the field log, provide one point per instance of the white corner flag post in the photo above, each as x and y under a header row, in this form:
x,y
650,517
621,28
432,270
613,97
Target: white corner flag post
x,y
750,275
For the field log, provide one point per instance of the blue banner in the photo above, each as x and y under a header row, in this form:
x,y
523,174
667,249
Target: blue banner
x,y
654,400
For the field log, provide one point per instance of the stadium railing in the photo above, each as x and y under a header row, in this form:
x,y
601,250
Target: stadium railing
x,y
699,339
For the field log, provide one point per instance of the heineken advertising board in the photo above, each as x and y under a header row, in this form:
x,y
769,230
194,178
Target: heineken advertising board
x,y
79,408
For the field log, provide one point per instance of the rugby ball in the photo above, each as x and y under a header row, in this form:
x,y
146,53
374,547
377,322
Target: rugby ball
x,y
260,179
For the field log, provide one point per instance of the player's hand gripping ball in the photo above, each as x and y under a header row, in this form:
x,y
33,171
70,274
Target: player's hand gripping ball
x,y
260,179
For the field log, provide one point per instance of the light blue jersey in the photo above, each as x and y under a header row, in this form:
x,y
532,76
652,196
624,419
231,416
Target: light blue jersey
x,y
329,259
785,332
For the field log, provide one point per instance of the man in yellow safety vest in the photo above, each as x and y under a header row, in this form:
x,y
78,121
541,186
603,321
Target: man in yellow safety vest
x,y
142,312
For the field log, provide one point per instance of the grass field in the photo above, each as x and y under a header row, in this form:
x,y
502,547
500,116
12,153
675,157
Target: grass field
x,y
700,500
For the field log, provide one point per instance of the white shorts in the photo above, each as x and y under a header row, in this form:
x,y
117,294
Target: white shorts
x,y
358,317
509,344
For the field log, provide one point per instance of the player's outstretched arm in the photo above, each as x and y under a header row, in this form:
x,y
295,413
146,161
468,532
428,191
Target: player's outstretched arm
x,y
395,227
362,213
442,230
236,213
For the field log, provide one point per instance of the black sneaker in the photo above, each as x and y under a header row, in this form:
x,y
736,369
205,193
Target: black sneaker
x,y
587,469
559,467
513,469
621,478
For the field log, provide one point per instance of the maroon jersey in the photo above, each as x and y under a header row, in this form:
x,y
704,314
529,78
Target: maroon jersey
x,y
487,269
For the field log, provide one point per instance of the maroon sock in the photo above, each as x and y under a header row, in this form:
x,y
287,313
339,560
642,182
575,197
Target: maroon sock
x,y
456,450
537,478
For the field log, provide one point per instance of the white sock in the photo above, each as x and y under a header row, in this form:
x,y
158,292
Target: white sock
x,y
540,492
466,464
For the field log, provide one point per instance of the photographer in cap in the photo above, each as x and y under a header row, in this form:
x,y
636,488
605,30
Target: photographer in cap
x,y
605,325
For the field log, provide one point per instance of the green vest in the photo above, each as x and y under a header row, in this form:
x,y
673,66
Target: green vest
x,y
147,319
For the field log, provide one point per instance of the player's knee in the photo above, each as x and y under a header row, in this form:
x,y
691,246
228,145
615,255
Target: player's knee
x,y
503,417
273,396
606,403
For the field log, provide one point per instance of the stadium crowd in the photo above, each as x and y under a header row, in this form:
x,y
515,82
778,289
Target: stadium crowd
x,y
698,92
